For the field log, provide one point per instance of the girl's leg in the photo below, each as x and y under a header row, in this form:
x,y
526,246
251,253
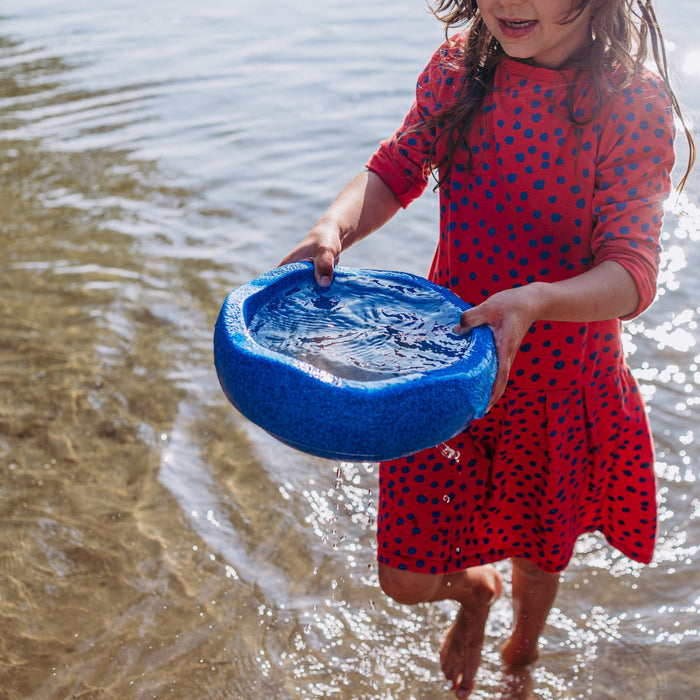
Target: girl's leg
x,y
474,589
534,592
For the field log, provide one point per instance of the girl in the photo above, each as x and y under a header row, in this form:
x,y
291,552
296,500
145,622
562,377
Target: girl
x,y
552,148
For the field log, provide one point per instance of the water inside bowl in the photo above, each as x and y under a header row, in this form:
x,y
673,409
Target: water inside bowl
x,y
365,329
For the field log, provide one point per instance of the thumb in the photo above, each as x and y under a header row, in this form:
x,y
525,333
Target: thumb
x,y
323,268
471,318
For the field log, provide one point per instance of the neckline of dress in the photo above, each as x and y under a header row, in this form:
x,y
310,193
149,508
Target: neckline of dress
x,y
561,76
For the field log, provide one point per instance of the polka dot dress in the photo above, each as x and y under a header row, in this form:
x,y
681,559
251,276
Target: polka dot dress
x,y
567,449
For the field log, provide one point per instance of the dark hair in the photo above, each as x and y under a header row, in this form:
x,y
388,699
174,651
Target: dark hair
x,y
622,31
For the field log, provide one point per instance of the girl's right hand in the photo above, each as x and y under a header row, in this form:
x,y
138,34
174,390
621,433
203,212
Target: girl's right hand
x,y
365,204
322,247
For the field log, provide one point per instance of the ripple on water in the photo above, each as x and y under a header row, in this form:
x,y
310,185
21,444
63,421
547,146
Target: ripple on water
x,y
403,331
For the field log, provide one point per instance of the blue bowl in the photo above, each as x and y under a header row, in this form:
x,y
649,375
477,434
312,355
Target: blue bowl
x,y
368,369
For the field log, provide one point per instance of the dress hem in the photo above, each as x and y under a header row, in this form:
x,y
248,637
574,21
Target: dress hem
x,y
436,566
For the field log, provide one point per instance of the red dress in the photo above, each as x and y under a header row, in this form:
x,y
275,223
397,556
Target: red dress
x,y
567,449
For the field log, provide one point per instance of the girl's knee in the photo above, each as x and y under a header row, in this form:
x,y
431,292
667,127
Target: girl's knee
x,y
531,570
407,587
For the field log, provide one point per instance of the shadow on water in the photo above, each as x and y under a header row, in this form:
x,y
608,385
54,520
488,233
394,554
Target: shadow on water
x,y
153,544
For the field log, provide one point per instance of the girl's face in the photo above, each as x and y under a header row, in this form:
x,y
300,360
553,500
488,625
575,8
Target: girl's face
x,y
533,30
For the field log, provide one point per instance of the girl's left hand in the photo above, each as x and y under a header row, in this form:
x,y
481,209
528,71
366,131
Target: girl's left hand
x,y
605,291
509,314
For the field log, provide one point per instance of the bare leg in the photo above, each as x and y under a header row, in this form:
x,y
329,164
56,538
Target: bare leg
x,y
474,589
534,592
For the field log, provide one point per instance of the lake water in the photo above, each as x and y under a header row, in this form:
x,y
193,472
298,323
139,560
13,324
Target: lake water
x,y
153,543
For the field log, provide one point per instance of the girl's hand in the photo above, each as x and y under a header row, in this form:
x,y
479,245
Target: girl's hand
x,y
605,291
365,204
322,247
509,314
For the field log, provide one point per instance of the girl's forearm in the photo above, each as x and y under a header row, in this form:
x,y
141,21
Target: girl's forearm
x,y
364,205
603,292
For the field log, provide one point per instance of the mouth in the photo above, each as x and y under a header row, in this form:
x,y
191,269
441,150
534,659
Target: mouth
x,y
515,28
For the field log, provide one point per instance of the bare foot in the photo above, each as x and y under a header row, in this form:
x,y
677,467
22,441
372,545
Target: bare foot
x,y
518,653
461,649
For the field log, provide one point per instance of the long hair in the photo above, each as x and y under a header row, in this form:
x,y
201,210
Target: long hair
x,y
623,31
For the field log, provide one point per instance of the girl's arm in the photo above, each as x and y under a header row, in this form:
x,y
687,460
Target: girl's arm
x,y
365,204
603,292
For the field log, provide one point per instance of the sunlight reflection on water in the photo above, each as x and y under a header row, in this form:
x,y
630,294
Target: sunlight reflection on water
x,y
141,185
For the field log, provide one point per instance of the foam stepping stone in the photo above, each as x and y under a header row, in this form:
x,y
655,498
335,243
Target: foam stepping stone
x,y
367,369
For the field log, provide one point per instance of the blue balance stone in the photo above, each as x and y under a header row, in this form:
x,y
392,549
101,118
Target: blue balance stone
x,y
367,369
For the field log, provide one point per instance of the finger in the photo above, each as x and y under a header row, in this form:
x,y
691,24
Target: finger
x,y
323,268
500,381
499,387
466,322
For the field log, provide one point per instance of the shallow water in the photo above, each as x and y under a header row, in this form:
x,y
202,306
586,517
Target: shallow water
x,y
152,542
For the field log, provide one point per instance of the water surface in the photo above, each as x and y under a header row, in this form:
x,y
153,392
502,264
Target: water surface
x,y
363,327
153,543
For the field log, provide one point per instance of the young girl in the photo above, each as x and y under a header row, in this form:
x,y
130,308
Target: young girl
x,y
552,148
